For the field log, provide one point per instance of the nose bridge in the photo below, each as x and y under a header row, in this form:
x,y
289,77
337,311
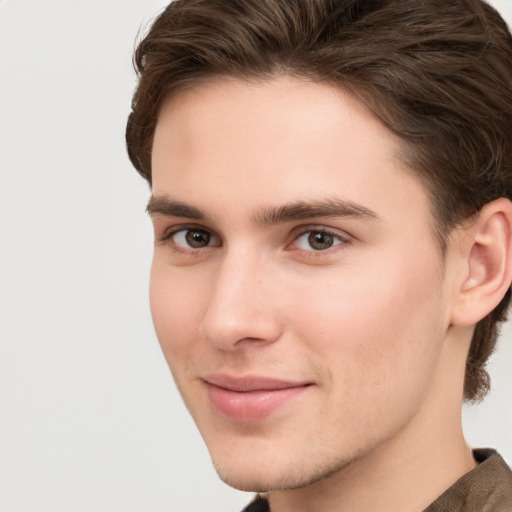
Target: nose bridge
x,y
240,308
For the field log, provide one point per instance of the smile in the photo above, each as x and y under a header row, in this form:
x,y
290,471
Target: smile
x,y
251,399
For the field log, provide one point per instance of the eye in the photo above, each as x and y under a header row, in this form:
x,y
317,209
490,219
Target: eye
x,y
318,240
193,238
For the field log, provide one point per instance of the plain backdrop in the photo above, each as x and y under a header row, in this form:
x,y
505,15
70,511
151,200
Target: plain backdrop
x,y
89,417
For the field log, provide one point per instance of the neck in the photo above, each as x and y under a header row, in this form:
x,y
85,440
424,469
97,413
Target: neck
x,y
402,474
390,479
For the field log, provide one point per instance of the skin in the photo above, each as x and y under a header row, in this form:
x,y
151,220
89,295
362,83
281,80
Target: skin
x,y
367,322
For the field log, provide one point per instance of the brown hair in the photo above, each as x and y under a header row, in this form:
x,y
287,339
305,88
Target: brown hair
x,y
437,73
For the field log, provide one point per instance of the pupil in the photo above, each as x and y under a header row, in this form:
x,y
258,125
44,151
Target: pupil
x,y
318,240
197,239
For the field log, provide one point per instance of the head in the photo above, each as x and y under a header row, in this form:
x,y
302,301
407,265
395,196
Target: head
x,y
430,80
437,74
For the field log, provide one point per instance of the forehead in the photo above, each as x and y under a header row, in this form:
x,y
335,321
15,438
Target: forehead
x,y
242,143
284,110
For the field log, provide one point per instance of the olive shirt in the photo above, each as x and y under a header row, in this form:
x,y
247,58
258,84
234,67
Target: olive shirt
x,y
486,488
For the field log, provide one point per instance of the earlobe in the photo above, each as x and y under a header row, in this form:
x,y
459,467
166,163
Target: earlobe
x,y
488,251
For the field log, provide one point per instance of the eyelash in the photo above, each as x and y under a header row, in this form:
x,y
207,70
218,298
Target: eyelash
x,y
342,240
166,238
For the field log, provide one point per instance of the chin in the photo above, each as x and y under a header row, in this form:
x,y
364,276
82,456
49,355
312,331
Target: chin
x,y
248,483
263,476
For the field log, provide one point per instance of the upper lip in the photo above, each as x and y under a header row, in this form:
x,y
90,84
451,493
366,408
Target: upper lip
x,y
251,383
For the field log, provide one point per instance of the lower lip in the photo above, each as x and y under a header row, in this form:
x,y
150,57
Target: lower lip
x,y
251,406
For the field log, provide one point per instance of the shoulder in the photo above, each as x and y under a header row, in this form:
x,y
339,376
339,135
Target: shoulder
x,y
487,488
258,504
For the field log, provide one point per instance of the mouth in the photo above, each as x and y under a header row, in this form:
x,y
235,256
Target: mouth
x,y
251,398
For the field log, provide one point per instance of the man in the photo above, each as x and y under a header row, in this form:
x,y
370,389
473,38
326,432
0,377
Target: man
x,y
331,185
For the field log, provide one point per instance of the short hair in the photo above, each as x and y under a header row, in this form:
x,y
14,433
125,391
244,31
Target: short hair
x,y
437,73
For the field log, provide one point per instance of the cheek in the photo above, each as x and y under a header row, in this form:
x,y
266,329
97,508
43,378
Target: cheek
x,y
374,330
176,306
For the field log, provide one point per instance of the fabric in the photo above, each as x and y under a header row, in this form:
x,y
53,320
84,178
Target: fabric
x,y
487,488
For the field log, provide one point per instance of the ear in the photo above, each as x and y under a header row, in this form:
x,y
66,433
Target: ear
x,y
487,249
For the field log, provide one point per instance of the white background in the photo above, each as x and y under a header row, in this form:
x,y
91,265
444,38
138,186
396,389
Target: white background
x,y
90,420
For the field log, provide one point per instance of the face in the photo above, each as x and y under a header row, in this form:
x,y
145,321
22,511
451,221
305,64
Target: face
x,y
297,289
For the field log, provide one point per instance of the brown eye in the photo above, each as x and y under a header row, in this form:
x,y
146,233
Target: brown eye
x,y
197,238
193,238
319,240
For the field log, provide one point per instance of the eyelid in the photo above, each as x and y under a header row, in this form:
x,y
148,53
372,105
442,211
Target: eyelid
x,y
174,229
296,233
343,236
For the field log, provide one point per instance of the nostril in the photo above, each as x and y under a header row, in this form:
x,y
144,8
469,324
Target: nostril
x,y
229,333
240,311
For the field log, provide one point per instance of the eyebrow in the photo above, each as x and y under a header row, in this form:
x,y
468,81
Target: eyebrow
x,y
304,210
162,205
269,216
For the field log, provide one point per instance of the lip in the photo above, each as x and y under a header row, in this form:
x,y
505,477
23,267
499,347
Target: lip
x,y
251,398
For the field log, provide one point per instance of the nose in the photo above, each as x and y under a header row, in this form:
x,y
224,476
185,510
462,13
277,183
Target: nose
x,y
242,308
